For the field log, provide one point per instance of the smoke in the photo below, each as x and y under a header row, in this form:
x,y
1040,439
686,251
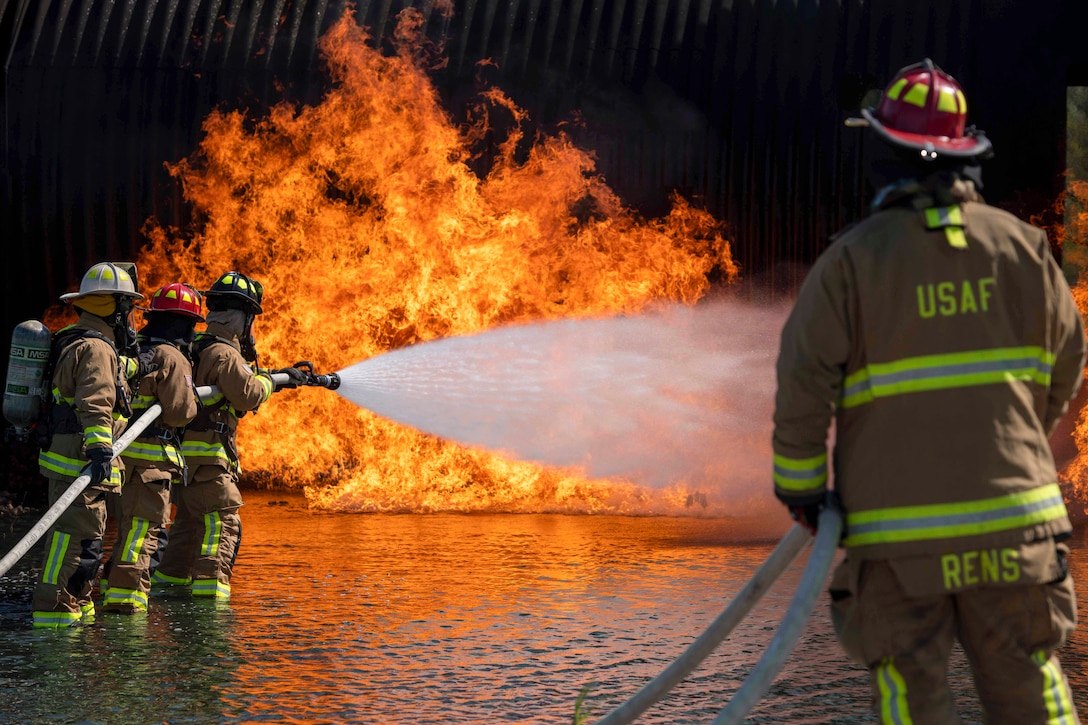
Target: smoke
x,y
681,395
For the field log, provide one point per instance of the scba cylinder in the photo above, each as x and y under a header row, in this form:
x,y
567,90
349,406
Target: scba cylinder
x,y
27,361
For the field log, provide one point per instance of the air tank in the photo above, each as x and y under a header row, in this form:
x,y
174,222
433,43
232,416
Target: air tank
x,y
23,394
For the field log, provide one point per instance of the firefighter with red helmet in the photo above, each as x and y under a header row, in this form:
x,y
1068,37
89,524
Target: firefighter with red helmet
x,y
940,336
154,461
203,539
89,409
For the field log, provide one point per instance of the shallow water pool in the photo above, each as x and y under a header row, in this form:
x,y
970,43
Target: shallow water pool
x,y
376,618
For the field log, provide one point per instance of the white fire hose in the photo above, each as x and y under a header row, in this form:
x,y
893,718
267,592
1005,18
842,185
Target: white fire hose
x,y
38,530
793,623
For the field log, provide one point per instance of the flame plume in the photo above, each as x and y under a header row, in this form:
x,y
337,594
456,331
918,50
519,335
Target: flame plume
x,y
362,218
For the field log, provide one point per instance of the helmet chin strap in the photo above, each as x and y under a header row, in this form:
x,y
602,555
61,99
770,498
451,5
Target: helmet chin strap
x,y
246,342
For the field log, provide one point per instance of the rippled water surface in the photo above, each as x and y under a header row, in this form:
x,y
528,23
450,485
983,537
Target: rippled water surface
x,y
441,618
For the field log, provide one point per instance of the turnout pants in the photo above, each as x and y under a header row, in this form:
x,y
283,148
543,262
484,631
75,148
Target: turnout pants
x,y
145,506
73,551
203,539
1009,635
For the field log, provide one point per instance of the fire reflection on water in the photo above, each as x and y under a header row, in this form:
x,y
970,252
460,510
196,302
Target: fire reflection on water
x,y
461,618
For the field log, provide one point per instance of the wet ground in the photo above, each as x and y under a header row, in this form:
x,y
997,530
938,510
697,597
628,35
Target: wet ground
x,y
374,618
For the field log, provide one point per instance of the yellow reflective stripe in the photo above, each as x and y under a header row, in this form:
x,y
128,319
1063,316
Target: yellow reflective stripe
x,y
143,401
893,694
135,597
157,577
956,238
134,541
943,216
130,366
210,588
1056,694
213,399
60,464
916,95
71,467
213,532
950,218
950,370
58,545
955,520
800,474
94,435
55,620
58,398
158,451
896,88
267,384
963,101
200,449
947,101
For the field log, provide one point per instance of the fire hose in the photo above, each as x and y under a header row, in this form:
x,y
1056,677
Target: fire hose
x,y
38,530
784,641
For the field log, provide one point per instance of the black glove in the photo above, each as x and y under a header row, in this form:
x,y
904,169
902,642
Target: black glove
x,y
297,377
101,464
807,516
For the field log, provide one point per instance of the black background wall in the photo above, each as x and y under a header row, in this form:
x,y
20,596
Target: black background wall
x,y
737,104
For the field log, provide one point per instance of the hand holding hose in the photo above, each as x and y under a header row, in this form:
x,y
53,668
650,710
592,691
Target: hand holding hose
x,y
296,375
101,466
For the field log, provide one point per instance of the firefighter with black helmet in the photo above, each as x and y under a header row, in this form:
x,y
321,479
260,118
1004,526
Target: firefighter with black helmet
x,y
89,409
203,539
941,337
153,461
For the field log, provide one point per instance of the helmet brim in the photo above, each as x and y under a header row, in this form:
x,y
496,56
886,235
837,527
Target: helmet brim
x,y
69,296
968,147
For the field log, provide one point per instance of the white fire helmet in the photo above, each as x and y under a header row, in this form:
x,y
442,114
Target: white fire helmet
x,y
107,278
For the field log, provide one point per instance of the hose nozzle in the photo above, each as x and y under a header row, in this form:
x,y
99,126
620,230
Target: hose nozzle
x,y
330,381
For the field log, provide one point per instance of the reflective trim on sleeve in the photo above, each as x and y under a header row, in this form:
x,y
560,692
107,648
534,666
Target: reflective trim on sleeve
x,y
267,384
955,520
98,435
948,371
800,475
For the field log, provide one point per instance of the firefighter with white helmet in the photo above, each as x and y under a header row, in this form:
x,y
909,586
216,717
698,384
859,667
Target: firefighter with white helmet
x,y
153,461
89,409
940,336
204,537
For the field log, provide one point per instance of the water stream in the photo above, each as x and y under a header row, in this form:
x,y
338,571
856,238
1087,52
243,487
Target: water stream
x,y
683,394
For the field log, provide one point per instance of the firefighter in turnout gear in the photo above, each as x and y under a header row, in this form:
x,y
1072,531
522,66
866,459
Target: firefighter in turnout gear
x,y
90,407
941,336
204,537
154,462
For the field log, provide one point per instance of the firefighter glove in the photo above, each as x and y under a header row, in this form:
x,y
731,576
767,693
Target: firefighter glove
x,y
101,465
807,517
296,377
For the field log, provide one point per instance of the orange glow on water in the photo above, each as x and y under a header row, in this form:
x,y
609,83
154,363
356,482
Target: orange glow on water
x,y
370,231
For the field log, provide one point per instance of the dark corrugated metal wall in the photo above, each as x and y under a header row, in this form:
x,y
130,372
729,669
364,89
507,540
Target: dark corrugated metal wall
x,y
737,103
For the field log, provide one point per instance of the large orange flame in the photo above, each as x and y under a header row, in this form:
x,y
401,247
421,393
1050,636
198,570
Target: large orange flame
x,y
370,232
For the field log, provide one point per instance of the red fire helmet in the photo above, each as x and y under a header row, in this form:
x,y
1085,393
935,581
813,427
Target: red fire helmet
x,y
924,109
179,298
